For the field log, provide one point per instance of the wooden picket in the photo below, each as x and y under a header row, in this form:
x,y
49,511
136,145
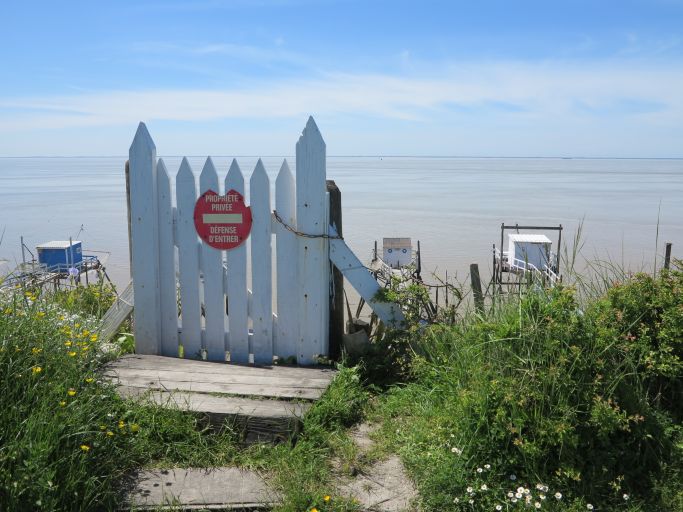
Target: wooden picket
x,y
215,305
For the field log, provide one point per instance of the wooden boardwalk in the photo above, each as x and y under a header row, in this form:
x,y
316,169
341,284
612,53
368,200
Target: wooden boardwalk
x,y
264,403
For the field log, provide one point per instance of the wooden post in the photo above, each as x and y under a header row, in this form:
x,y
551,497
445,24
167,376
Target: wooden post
x,y
476,288
667,256
130,241
337,299
145,242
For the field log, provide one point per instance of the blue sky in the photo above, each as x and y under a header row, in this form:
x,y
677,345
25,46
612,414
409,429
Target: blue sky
x,y
485,78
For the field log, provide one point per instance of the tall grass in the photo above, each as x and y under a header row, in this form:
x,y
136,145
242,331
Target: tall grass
x,y
551,394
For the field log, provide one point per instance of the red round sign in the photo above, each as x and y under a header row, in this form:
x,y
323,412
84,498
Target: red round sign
x,y
223,222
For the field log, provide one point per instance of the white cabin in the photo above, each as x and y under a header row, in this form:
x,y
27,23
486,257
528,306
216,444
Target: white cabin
x,y
397,252
525,250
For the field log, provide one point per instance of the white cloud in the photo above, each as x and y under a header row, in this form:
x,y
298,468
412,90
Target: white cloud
x,y
538,95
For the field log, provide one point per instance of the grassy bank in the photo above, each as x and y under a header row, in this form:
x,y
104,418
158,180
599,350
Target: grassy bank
x,y
68,442
549,403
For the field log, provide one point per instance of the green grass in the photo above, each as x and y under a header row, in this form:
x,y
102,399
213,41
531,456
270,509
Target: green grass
x,y
581,399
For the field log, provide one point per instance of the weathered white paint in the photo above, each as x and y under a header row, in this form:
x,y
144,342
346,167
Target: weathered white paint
x,y
167,282
301,324
261,266
212,272
188,262
287,271
236,288
313,258
145,242
362,280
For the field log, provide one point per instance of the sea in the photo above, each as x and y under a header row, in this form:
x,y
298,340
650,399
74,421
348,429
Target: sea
x,y
625,209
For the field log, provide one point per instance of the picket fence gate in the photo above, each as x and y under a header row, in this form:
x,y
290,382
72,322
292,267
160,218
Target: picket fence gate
x,y
166,251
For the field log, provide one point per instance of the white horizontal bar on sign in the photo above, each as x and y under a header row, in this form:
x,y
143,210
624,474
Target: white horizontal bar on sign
x,y
222,218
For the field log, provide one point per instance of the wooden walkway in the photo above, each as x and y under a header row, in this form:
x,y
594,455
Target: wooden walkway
x,y
262,403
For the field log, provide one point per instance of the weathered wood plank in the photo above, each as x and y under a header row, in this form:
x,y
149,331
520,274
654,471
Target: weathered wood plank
x,y
117,313
188,262
201,489
313,260
145,242
361,279
240,389
212,271
287,333
172,376
254,420
261,266
236,286
168,301
149,362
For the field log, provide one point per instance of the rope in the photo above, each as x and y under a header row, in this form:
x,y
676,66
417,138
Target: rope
x,y
299,233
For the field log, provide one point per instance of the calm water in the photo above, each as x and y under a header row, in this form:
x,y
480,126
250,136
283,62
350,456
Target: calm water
x,y
454,206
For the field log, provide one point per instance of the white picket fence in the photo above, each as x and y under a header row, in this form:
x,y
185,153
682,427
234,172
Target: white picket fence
x,y
166,252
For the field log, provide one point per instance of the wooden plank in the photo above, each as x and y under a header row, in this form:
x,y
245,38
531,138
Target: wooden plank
x,y
225,488
145,242
168,301
255,420
313,260
197,385
361,279
261,266
212,271
176,375
236,286
476,288
117,314
287,333
147,362
337,324
188,262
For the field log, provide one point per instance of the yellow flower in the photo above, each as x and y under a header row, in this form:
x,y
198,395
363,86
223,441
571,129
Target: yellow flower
x,y
134,427
67,343
36,369
77,326
122,423
72,353
110,433
85,448
85,333
71,392
103,427
40,314
326,498
62,403
314,509
89,380
93,337
36,350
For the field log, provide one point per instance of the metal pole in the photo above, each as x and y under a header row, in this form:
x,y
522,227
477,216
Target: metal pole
x,y
502,236
23,251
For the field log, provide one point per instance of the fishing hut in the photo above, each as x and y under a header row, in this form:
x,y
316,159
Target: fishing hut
x,y
529,254
59,264
398,259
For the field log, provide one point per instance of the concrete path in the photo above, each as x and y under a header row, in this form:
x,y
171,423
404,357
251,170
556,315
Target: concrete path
x,y
382,487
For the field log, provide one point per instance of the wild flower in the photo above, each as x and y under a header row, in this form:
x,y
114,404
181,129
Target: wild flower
x,y
85,448
470,490
62,403
537,505
626,497
36,350
89,380
134,427
456,500
71,392
558,495
456,450
487,466
471,502
326,498
72,354
110,433
479,470
36,369
499,507
589,506
513,477
484,487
